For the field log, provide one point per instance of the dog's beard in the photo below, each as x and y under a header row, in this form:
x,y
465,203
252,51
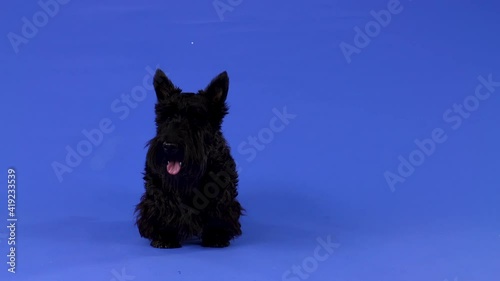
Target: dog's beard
x,y
193,164
185,168
195,157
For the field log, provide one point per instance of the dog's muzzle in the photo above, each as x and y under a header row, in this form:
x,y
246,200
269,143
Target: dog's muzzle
x,y
174,156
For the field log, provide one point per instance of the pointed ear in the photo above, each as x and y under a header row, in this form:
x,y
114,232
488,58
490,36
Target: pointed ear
x,y
217,90
163,86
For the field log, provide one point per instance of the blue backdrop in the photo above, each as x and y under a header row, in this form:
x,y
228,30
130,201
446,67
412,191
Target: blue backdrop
x,y
366,134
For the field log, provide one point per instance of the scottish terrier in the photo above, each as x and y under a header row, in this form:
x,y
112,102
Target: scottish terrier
x,y
190,176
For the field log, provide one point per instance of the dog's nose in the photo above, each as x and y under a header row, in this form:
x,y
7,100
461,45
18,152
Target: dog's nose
x,y
169,146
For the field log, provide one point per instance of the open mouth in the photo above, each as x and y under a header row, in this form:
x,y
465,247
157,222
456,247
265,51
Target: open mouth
x,y
174,167
174,157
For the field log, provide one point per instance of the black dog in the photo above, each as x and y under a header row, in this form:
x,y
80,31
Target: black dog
x,y
190,176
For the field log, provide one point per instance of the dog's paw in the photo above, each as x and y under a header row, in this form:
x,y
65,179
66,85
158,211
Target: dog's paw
x,y
165,245
215,243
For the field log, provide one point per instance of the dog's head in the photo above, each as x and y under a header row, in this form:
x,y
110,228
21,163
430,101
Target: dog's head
x,y
186,125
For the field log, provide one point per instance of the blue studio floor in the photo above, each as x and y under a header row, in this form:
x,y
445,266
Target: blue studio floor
x,y
366,134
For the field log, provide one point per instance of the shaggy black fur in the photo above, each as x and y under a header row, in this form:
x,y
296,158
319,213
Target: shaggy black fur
x,y
199,200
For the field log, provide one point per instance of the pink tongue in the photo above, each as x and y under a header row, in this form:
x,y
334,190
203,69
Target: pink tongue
x,y
173,167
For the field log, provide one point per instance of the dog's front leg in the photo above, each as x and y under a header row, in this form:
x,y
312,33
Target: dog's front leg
x,y
153,224
167,239
221,223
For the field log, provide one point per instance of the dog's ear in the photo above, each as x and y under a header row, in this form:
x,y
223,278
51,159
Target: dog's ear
x,y
217,90
163,86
